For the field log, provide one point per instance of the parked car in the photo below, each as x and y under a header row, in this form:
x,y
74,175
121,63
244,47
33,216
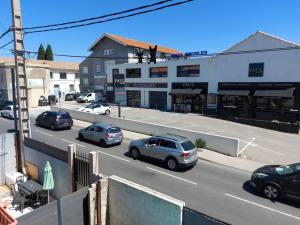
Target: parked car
x,y
52,100
96,109
174,150
70,97
87,97
104,134
4,103
55,120
275,181
100,99
43,101
8,111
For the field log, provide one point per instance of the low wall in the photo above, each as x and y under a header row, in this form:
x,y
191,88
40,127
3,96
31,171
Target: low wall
x,y
38,153
132,204
217,143
191,217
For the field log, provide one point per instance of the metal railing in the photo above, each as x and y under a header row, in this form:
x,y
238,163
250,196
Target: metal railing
x,y
5,218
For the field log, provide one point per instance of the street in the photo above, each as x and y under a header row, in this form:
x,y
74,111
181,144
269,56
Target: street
x,y
215,190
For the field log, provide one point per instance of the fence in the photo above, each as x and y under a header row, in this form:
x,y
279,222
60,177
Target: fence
x,y
81,170
7,155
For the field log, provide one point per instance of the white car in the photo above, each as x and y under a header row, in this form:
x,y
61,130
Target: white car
x,y
96,109
8,111
88,97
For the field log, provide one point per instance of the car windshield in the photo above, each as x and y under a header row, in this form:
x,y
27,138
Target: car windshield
x,y
289,169
187,146
113,130
65,116
92,106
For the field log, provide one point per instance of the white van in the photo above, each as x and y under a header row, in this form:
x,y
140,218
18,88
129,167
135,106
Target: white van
x,y
87,97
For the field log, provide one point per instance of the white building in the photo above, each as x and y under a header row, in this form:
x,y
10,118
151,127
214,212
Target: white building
x,y
261,72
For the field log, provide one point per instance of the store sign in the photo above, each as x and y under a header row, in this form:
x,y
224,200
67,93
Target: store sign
x,y
35,82
119,88
190,54
147,85
256,69
119,80
189,85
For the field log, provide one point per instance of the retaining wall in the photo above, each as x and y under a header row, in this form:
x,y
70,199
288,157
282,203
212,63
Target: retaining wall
x,y
225,145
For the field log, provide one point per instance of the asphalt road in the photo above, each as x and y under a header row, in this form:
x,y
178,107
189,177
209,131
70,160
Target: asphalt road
x,y
215,190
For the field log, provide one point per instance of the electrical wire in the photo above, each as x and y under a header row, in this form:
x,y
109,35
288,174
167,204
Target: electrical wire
x,y
98,17
3,46
112,19
6,32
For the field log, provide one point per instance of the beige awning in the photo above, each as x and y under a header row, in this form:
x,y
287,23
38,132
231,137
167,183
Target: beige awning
x,y
234,92
285,93
188,91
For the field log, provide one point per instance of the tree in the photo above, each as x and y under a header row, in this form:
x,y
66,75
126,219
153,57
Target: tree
x,y
49,53
41,53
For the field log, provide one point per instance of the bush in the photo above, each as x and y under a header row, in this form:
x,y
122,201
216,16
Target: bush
x,y
199,143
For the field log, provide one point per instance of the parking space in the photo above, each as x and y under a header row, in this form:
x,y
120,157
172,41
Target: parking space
x,y
255,143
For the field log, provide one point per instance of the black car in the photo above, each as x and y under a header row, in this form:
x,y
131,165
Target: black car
x,y
70,97
52,99
43,101
4,103
278,181
55,120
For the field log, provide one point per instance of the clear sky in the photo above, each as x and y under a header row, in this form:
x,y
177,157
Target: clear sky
x,y
211,25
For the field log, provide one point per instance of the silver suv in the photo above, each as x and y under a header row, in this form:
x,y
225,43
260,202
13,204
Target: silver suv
x,y
176,151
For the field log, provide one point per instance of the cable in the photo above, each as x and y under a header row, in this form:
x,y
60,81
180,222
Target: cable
x,y
5,33
99,17
108,20
3,46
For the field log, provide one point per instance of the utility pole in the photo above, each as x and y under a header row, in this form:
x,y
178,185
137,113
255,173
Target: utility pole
x,y
21,81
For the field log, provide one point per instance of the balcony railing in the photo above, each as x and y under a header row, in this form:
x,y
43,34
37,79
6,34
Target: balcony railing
x,y
5,218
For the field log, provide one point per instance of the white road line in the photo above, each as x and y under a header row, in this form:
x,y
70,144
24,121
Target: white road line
x,y
73,142
262,206
179,178
38,131
247,145
263,148
215,132
104,153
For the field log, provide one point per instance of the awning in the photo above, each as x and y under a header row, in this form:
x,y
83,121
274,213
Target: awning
x,y
188,91
234,92
285,93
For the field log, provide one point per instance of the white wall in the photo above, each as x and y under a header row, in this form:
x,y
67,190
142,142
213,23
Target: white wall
x,y
64,84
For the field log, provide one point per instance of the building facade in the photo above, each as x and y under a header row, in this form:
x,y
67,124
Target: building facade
x,y
43,77
108,50
259,75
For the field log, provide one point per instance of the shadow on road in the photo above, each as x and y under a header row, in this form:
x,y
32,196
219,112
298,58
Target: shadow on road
x,y
161,164
247,187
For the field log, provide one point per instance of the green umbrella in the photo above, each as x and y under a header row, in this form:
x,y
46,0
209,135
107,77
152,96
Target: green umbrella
x,y
48,178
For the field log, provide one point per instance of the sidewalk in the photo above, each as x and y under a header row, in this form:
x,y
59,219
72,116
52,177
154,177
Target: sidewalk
x,y
237,163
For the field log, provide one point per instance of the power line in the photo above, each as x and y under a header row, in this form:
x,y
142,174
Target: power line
x,y
98,17
3,46
108,20
6,32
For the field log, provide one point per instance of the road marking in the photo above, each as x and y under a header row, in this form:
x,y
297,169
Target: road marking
x,y
104,153
179,178
73,142
215,132
262,206
43,133
263,148
247,145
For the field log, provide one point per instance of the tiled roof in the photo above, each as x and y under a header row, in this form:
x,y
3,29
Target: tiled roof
x,y
135,43
51,64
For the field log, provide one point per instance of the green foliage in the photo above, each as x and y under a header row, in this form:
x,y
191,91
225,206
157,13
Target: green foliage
x,y
41,53
199,143
49,53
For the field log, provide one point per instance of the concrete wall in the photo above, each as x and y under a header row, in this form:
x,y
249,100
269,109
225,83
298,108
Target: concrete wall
x,y
7,156
59,170
217,143
191,217
132,204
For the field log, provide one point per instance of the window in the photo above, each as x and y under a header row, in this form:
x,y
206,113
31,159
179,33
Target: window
x,y
98,68
76,76
71,86
85,81
158,72
114,130
167,144
51,75
99,129
133,73
63,76
187,146
85,70
109,52
91,128
256,70
188,71
152,141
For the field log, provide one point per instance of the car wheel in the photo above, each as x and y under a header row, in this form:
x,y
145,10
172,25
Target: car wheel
x,y
52,127
102,143
135,154
107,112
172,163
81,137
271,191
2,114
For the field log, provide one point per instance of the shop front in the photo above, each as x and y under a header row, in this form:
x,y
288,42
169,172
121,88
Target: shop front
x,y
189,97
133,98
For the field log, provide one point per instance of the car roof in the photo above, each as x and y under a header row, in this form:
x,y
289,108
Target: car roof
x,y
173,137
104,125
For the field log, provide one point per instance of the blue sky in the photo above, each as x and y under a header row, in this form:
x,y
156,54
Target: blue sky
x,y
211,25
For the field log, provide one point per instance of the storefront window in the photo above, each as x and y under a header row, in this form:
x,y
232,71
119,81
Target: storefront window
x,y
134,98
236,101
158,72
188,71
189,103
275,103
